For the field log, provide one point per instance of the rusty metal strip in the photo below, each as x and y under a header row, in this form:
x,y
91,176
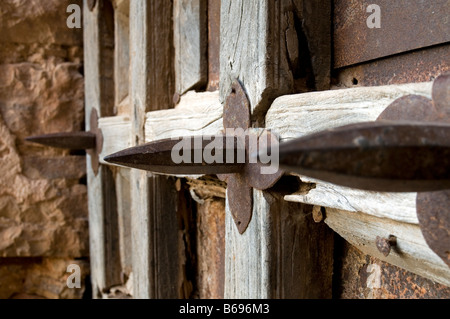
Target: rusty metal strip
x,y
405,25
416,66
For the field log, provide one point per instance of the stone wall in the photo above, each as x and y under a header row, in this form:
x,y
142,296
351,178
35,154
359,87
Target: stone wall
x,y
43,199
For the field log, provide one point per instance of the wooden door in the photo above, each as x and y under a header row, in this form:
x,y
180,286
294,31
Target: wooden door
x,y
155,70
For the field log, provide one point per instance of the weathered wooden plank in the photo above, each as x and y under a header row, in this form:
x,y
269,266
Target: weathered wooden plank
x,y
359,216
213,44
104,272
116,132
247,259
156,265
355,42
411,252
122,180
273,45
400,207
166,271
282,242
195,114
254,51
121,52
296,115
190,41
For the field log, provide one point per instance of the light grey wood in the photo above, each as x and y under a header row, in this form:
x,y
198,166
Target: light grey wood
x,y
122,180
296,115
122,51
253,50
190,42
400,207
140,231
104,271
282,254
411,253
155,258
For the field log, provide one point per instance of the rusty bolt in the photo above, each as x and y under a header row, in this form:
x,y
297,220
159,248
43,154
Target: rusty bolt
x,y
384,245
91,4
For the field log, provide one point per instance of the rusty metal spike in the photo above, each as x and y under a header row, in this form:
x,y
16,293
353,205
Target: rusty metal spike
x,y
70,140
157,156
376,156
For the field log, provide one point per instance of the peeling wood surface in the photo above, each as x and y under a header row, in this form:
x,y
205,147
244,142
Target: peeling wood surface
x,y
411,252
210,247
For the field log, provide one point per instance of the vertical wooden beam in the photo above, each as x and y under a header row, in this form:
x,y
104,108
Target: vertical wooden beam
x,y
156,262
264,43
213,45
104,258
190,39
271,254
122,52
253,50
124,216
